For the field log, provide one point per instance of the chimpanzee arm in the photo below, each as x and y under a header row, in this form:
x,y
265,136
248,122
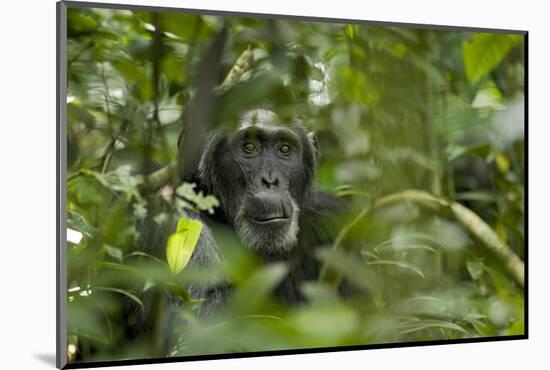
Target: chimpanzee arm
x,y
153,238
207,255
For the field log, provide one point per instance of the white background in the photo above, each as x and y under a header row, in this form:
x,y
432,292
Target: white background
x,y
27,182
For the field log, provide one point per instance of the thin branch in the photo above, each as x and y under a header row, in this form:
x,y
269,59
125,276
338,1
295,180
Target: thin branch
x,y
158,178
244,63
112,144
157,58
471,222
201,108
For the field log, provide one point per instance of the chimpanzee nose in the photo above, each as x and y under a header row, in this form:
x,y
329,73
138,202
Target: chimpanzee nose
x,y
270,181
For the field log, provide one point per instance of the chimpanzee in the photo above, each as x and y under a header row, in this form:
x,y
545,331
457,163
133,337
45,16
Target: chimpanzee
x,y
263,173
263,176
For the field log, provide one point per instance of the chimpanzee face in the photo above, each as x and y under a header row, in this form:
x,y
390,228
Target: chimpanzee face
x,y
267,168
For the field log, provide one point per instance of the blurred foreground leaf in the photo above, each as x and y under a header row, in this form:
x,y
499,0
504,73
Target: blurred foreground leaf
x,y
128,294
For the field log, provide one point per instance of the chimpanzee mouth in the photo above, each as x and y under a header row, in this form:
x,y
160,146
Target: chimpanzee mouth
x,y
270,220
268,209
268,224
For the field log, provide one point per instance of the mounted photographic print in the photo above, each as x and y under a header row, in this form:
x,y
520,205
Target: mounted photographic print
x,y
234,185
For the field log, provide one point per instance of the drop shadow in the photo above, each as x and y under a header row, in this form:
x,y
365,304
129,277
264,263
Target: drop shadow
x,y
47,358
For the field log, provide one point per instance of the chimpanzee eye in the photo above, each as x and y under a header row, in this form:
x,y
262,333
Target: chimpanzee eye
x,y
249,148
285,149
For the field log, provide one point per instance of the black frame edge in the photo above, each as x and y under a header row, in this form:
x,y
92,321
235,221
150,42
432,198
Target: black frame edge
x,y
526,182
61,139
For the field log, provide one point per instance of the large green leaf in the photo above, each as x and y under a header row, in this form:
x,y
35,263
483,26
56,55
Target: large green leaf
x,y
182,243
484,51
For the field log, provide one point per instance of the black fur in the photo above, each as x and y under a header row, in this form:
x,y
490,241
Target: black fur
x,y
220,174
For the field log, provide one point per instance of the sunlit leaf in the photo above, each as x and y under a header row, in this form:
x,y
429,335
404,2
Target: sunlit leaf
x,y
484,51
503,163
517,328
198,199
182,243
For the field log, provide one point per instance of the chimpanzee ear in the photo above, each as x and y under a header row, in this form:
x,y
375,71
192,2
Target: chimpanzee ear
x,y
314,143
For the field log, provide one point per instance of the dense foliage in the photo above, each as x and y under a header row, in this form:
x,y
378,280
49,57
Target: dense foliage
x,y
394,108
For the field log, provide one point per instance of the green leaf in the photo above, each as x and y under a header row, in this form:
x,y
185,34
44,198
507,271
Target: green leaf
x,y
77,113
78,23
129,70
319,292
201,202
416,325
113,252
181,244
401,244
181,293
484,51
119,180
143,254
349,266
327,323
476,269
401,264
480,151
517,328
128,294
481,328
255,289
186,26
79,223
479,196
86,191
85,320
117,267
351,31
